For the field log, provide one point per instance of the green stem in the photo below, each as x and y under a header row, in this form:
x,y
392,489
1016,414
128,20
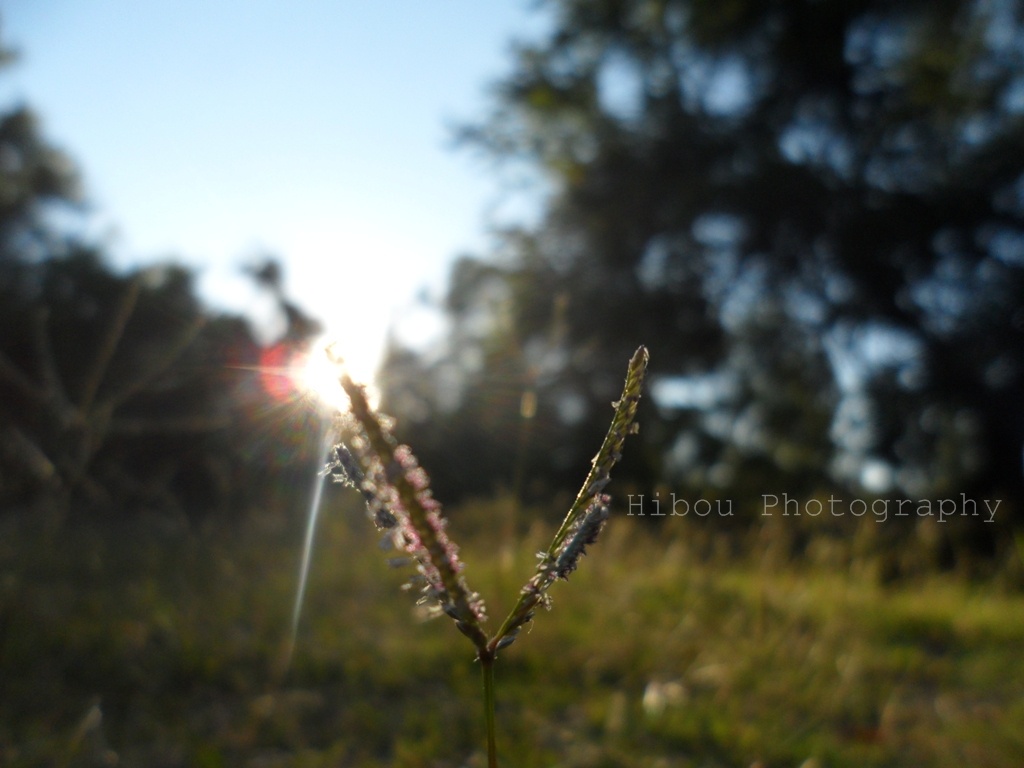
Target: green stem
x,y
600,470
487,665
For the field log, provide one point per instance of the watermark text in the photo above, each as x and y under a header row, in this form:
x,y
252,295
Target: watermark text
x,y
673,506
942,510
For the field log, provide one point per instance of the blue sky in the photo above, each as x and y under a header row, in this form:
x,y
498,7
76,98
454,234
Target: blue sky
x,y
212,132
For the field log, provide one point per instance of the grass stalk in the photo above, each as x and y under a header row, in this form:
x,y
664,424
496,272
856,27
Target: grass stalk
x,y
487,667
399,501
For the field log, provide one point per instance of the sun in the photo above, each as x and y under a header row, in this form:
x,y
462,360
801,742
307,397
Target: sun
x,y
313,374
318,373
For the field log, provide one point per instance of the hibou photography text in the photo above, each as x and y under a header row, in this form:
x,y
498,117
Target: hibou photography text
x,y
881,510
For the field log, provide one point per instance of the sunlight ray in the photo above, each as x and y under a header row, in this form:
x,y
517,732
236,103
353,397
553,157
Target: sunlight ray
x,y
327,440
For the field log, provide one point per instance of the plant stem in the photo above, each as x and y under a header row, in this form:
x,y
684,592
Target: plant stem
x,y
599,475
487,665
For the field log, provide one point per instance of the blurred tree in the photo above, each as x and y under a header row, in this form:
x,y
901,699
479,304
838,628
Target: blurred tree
x,y
120,392
812,211
33,176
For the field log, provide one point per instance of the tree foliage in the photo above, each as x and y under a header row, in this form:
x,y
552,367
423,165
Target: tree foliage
x,y
812,211
120,392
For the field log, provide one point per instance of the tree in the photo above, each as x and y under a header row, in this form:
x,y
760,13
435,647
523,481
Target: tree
x,y
812,211
121,393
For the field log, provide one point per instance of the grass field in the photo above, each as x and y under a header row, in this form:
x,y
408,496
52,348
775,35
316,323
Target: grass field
x,y
122,645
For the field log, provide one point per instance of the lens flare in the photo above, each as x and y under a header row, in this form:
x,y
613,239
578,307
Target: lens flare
x,y
289,374
276,373
316,374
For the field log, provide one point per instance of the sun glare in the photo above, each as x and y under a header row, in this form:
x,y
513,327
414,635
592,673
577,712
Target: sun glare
x,y
319,372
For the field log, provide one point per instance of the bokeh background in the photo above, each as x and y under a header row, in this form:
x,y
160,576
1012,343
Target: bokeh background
x,y
810,211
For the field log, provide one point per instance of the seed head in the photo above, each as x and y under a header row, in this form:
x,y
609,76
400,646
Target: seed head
x,y
398,495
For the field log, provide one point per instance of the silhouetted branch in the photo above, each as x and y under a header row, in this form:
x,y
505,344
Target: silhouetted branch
x,y
12,374
184,425
158,366
109,343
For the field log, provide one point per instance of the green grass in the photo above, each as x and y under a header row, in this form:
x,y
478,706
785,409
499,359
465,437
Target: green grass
x,y
122,645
